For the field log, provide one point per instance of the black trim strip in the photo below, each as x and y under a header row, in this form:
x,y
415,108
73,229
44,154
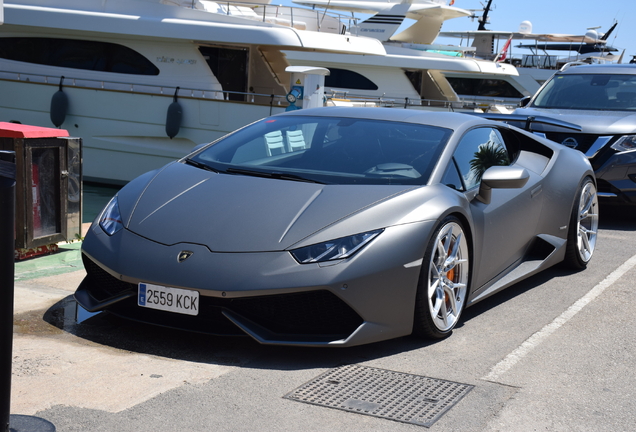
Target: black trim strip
x,y
385,19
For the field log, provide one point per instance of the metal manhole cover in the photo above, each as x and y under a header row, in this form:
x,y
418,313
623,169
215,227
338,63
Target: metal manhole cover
x,y
382,393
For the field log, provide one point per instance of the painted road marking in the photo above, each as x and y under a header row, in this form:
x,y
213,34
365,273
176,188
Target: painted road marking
x,y
533,341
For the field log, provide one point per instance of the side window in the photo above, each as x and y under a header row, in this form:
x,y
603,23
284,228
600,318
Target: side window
x,y
343,78
76,54
451,177
483,87
477,151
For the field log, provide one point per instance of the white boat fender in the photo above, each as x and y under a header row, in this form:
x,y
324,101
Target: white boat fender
x,y
173,119
59,106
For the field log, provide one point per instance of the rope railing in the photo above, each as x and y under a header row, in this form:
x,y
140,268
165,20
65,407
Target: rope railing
x,y
335,97
143,88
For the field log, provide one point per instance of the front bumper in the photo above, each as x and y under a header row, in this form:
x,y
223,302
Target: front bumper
x,y
617,178
269,296
615,172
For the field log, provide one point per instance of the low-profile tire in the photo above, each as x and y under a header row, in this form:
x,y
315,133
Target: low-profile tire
x,y
443,283
583,227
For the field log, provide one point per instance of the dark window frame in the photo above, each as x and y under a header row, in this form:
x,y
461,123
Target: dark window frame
x,y
483,87
348,79
77,54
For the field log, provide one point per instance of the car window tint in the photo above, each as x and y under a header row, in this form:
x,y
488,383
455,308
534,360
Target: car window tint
x,y
334,150
589,91
478,150
451,177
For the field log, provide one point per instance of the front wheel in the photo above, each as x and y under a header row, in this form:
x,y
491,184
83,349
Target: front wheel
x,y
583,227
443,284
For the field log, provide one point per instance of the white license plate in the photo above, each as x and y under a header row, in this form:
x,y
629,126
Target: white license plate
x,y
168,299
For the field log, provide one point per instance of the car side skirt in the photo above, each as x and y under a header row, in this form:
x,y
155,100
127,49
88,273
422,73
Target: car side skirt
x,y
546,251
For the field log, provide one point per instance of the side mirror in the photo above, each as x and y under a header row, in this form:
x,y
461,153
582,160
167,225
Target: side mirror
x,y
501,177
524,101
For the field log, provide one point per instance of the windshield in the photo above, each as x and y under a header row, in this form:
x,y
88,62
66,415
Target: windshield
x,y
329,150
589,92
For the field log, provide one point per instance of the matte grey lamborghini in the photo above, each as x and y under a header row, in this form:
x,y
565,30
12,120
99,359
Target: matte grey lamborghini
x,y
340,227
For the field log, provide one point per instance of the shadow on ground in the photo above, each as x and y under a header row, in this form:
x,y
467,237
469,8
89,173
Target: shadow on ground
x,y
617,217
111,331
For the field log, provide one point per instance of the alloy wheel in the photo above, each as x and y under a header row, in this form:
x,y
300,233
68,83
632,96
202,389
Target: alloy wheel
x,y
448,276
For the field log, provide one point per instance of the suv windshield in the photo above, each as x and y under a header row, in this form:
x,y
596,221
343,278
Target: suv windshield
x,y
589,92
329,150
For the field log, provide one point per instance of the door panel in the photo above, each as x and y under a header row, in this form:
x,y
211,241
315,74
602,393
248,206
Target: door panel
x,y
505,226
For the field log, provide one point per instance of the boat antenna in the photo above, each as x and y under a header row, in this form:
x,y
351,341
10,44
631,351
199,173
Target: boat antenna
x,y
324,13
609,32
484,18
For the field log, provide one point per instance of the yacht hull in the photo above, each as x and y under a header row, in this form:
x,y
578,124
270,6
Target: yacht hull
x,y
124,133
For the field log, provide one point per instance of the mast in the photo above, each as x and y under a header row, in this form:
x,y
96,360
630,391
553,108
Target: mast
x,y
484,18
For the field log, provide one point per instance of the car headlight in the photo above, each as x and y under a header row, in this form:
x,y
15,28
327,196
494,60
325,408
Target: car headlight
x,y
334,249
110,219
625,143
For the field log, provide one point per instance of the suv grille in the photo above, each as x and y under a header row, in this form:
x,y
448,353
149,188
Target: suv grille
x,y
582,142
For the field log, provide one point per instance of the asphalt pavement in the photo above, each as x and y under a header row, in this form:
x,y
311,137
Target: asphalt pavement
x,y
552,353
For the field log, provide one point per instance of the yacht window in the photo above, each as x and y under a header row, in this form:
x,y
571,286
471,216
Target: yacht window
x,y
229,66
343,78
415,77
483,87
76,54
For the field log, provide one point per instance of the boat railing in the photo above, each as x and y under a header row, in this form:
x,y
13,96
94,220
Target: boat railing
x,y
541,61
342,98
147,88
553,62
333,97
296,17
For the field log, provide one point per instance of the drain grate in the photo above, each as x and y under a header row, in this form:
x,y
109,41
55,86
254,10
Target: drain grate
x,y
382,393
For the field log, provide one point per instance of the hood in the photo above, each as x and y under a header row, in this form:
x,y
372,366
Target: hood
x,y
591,121
235,213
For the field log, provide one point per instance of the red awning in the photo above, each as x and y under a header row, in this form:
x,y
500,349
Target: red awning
x,y
15,130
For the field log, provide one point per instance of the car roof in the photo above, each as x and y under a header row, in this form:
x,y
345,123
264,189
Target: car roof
x,y
449,120
620,69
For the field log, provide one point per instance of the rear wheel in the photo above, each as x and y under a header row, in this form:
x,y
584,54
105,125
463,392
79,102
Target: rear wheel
x,y
583,227
443,284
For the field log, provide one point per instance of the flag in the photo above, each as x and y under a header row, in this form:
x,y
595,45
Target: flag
x,y
504,51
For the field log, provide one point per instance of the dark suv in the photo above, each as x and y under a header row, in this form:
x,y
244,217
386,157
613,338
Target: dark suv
x,y
602,100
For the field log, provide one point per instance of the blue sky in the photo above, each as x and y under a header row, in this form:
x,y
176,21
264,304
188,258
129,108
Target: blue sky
x,y
559,16
553,16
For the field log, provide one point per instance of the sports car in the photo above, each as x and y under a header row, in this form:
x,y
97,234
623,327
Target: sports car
x,y
340,226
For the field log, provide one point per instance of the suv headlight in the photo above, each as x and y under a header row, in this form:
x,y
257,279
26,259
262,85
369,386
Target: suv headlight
x,y
625,143
334,249
110,219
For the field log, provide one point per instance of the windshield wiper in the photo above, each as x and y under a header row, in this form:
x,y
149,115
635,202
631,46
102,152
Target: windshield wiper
x,y
200,165
273,175
294,177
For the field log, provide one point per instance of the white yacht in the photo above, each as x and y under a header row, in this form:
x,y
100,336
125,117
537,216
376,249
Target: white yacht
x,y
143,81
545,53
416,72
122,63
